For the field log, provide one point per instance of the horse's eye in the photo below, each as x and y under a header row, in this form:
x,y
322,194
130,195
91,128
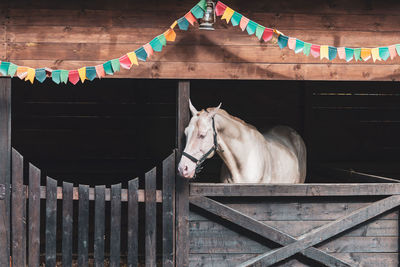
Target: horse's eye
x,y
201,136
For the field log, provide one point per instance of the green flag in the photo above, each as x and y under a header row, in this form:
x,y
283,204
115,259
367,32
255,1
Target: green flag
x,y
307,49
12,69
259,31
115,65
55,76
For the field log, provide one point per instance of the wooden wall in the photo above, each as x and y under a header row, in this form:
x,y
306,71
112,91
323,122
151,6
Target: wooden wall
x,y
75,34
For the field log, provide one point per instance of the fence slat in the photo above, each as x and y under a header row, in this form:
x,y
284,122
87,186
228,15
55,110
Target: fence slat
x,y
18,211
34,216
168,211
115,235
67,204
133,215
99,215
51,221
83,225
150,219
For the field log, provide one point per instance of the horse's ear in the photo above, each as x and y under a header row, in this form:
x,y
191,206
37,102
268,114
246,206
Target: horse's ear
x,y
192,108
215,110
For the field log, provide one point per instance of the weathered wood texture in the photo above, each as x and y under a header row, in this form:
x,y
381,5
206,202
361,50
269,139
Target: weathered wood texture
x,y
34,217
75,36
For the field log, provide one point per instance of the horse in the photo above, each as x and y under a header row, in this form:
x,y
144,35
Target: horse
x,y
276,156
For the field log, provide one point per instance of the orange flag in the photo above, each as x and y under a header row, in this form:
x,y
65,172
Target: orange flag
x,y
365,53
149,50
170,35
22,72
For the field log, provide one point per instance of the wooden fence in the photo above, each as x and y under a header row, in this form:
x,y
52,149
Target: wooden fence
x,y
26,238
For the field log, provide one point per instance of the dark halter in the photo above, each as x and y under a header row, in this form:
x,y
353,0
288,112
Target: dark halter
x,y
199,162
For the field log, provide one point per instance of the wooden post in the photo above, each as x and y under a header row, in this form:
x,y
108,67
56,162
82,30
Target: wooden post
x,y
182,185
5,169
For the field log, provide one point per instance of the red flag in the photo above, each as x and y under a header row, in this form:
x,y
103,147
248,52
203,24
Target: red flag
x,y
267,35
125,62
189,16
73,76
220,8
315,50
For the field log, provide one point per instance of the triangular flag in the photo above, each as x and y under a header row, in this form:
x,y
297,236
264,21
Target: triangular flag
x,y
30,76
341,52
183,24
148,49
115,65
156,44
357,54
73,76
133,58
349,53
108,68
227,14
282,41
82,74
202,4
125,62
306,49
243,23
251,27
91,73
324,52
384,53
170,35
100,71
12,69
197,11
375,54
332,52
22,72
392,51
162,39
55,76
40,75
4,68
299,46
291,43
267,35
220,8
259,31
398,49
365,53
236,17
189,16
315,50
141,53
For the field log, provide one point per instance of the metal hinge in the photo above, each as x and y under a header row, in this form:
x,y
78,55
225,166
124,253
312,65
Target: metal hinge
x,y
2,191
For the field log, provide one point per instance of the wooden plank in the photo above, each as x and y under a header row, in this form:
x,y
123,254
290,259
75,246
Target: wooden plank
x,y
370,189
323,233
67,221
18,216
182,185
5,168
34,216
51,222
150,219
262,229
99,230
168,211
115,235
83,225
133,222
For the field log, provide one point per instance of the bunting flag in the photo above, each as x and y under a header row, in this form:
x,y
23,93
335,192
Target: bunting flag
x,y
91,73
40,75
82,74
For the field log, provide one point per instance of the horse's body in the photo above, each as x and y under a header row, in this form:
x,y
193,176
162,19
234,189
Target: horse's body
x,y
278,156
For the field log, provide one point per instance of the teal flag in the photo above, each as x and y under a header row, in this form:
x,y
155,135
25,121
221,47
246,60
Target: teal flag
x,y
115,65
282,41
162,39
141,53
4,68
384,53
332,52
398,49
91,73
12,69
197,12
55,76
156,44
299,46
307,49
357,54
64,76
40,75
202,4
235,19
259,31
251,27
349,53
183,23
108,68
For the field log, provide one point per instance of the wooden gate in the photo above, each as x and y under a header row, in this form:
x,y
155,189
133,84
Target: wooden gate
x,y
69,229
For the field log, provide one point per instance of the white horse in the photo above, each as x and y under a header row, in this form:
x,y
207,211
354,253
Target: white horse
x,y
278,156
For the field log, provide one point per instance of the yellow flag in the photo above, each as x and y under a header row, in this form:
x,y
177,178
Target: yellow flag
x,y
324,52
170,35
227,14
365,53
375,54
133,58
31,75
173,24
82,74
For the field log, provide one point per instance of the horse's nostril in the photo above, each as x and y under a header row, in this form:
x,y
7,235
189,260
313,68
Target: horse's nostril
x,y
186,168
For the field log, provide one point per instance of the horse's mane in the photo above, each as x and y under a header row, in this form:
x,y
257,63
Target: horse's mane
x,y
222,112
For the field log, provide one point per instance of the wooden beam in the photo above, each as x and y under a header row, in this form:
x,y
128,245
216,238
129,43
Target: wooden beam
x,y
262,229
325,232
375,189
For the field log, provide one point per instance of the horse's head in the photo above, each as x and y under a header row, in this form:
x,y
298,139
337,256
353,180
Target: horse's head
x,y
200,141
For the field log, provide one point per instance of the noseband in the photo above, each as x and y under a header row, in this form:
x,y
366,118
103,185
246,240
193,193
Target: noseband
x,y
199,162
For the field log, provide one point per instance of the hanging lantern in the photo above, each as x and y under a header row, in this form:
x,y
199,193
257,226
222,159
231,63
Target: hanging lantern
x,y
208,20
